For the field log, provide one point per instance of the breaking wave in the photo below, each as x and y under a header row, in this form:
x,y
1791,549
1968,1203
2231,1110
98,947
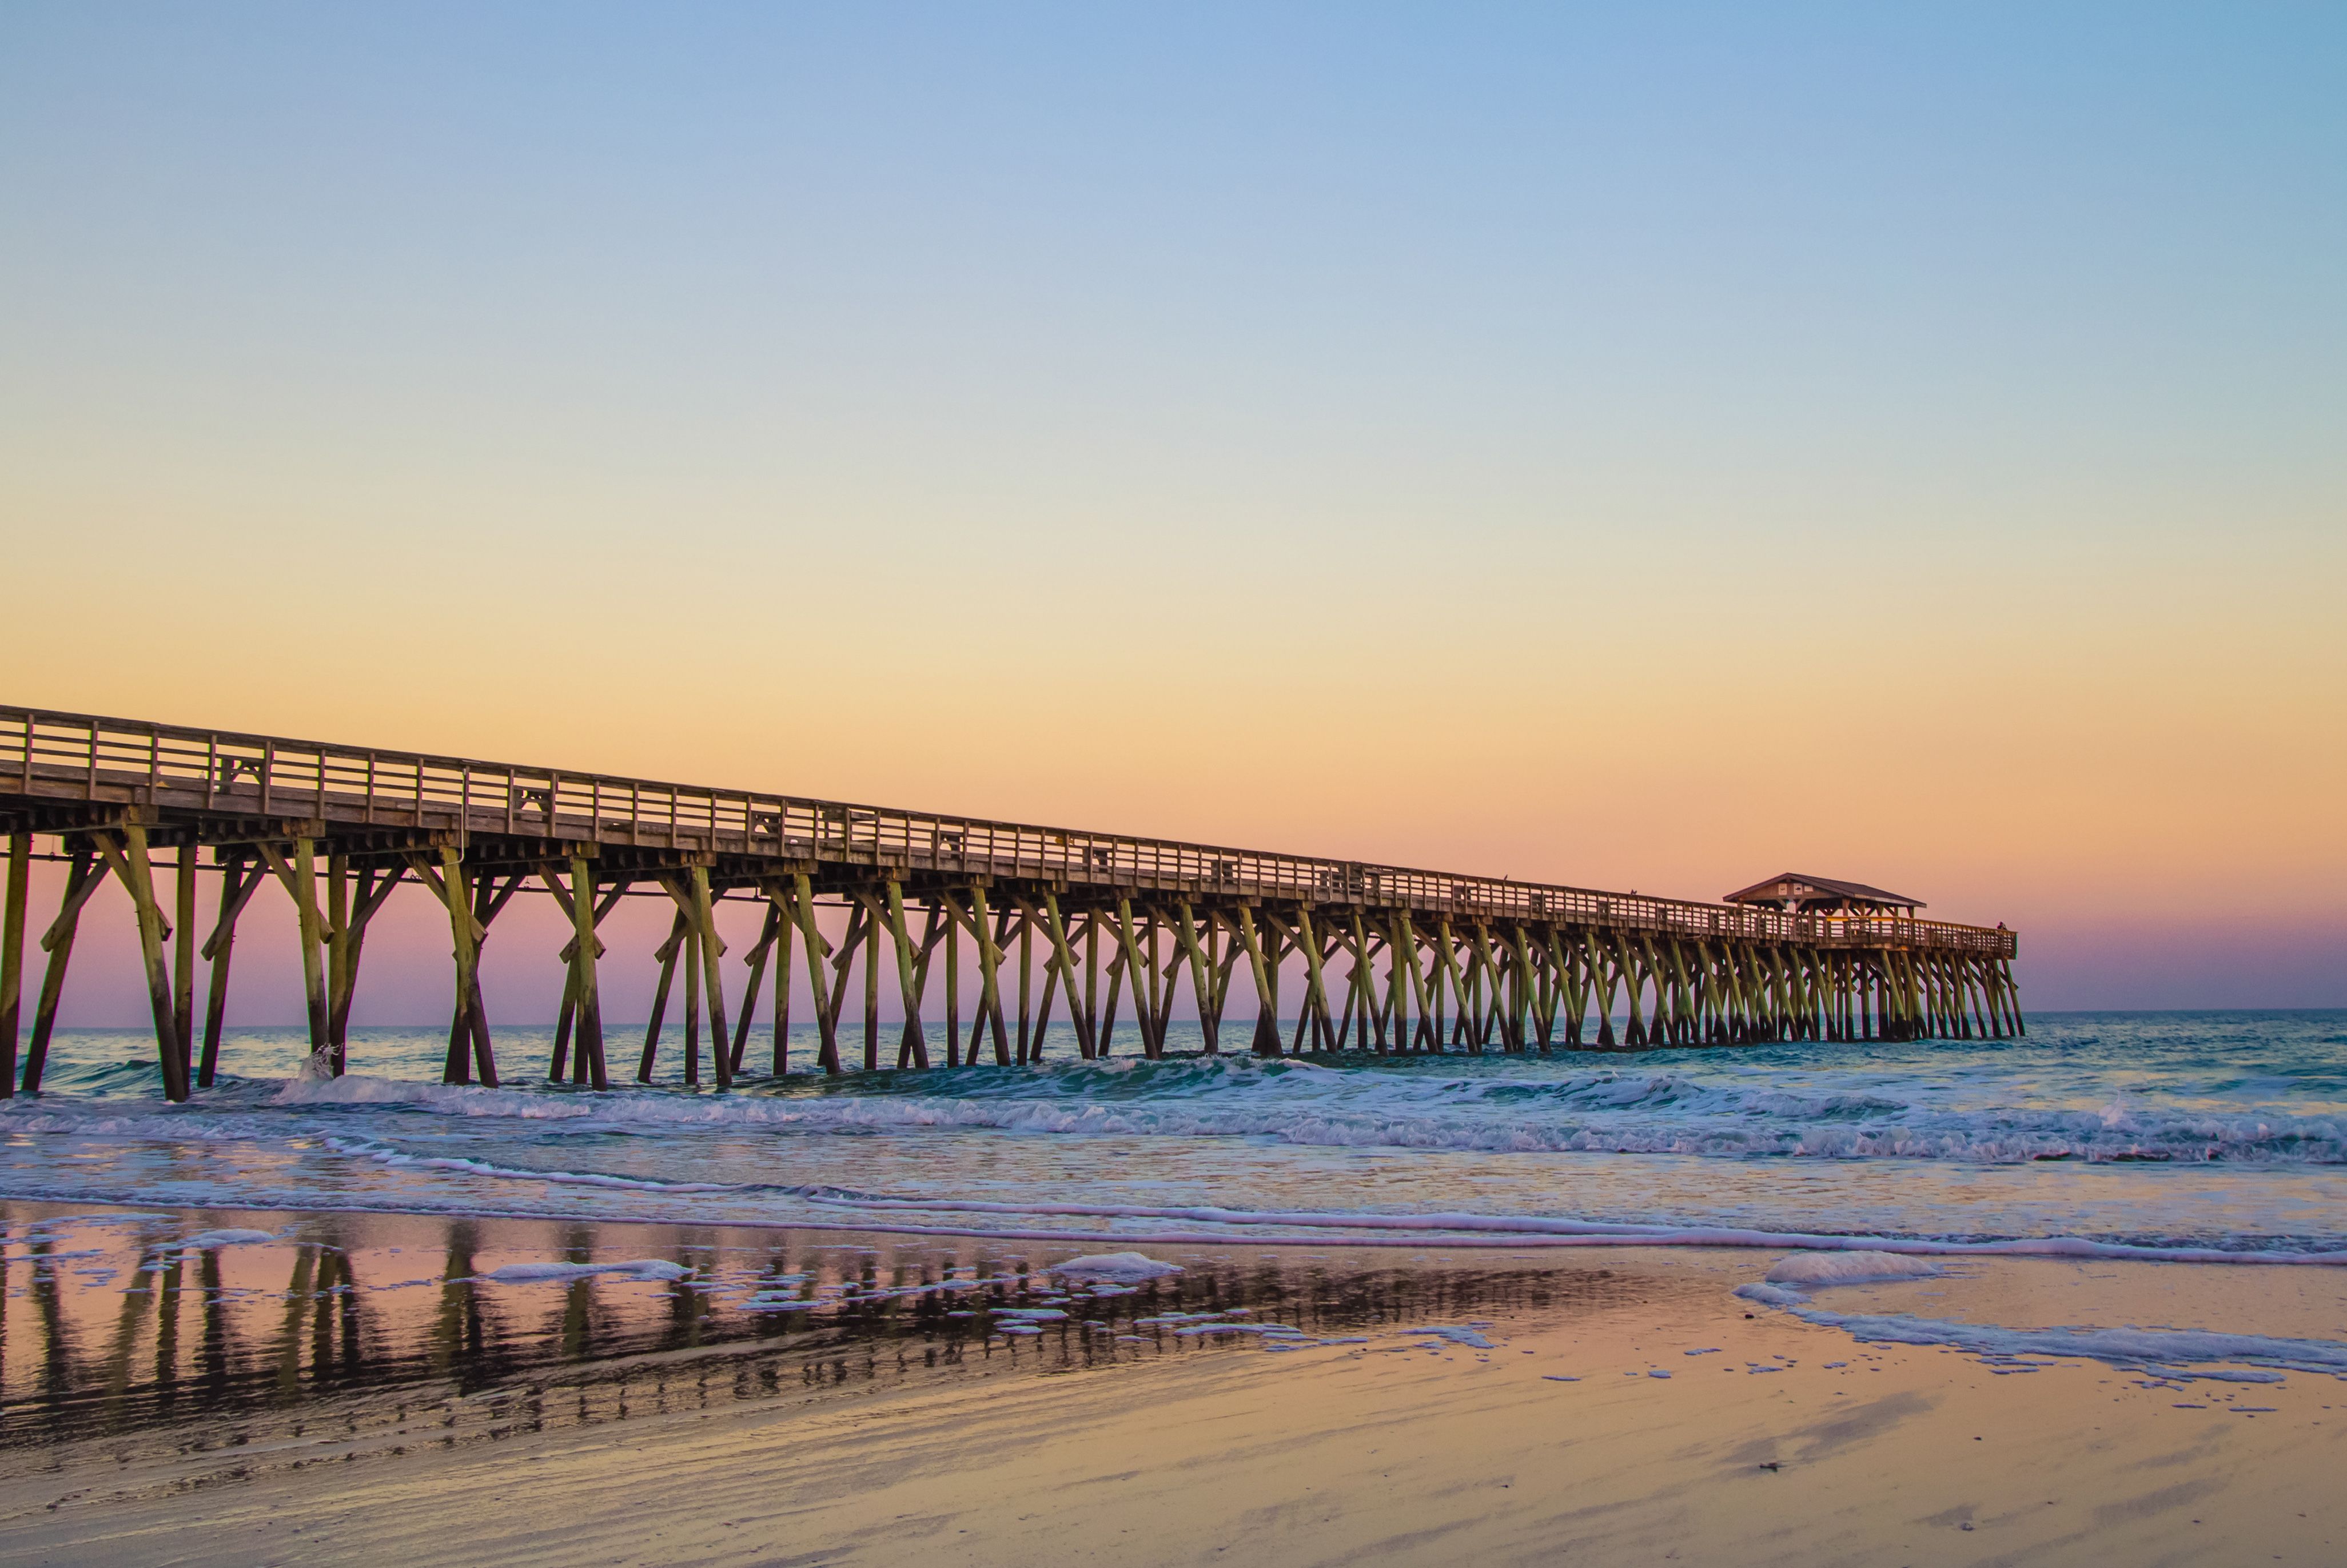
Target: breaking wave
x,y
1622,1112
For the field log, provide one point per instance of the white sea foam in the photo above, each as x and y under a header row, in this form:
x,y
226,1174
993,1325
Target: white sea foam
x,y
449,1098
1816,1270
1623,1111
207,1240
1457,1333
2165,1350
1769,1295
522,1174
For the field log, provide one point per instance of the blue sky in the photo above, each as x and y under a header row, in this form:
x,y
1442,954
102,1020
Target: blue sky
x,y
1638,446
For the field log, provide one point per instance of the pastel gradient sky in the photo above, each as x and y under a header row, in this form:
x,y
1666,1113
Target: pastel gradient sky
x,y
1644,447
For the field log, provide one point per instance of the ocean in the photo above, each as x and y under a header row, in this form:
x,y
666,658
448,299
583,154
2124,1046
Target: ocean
x,y
2216,1135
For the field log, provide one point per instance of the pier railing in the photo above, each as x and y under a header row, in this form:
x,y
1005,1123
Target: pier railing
x,y
60,756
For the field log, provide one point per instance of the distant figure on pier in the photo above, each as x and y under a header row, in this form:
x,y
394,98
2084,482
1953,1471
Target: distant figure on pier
x,y
1799,893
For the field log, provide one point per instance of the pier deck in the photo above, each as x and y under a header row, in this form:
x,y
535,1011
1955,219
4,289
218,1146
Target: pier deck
x,y
1430,960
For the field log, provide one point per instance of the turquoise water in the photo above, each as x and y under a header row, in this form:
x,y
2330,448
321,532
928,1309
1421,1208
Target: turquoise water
x,y
2224,1131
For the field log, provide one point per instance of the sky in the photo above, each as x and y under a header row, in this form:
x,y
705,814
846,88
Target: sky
x,y
1641,446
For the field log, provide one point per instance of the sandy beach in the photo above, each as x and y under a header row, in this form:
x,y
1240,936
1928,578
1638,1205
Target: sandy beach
x,y
362,1388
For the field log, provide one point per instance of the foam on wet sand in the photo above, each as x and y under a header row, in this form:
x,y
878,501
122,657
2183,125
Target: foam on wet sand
x,y
1821,1269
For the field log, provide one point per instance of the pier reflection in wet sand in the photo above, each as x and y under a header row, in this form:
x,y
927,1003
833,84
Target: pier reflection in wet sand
x,y
217,1344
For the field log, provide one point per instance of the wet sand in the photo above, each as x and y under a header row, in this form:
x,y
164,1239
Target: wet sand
x,y
354,1391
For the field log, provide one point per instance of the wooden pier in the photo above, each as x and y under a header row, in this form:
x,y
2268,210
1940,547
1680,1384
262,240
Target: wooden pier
x,y
1012,921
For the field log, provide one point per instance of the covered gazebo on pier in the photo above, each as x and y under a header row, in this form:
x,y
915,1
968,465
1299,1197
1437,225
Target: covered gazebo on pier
x,y
1799,893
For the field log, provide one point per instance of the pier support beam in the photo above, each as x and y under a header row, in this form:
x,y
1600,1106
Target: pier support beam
x,y
779,902
711,949
699,953
84,873
1065,958
347,918
826,1015
1138,966
1267,1022
1316,990
1202,984
770,931
666,953
239,879
131,865
299,876
468,1030
955,919
581,997
913,1045
183,951
990,997
12,955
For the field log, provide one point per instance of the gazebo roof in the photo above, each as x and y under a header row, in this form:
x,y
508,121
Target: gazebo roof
x,y
1801,885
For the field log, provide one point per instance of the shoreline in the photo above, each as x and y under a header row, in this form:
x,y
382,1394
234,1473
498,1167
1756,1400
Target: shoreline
x,y
1325,1228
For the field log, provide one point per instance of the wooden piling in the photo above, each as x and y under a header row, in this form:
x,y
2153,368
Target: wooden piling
x,y
989,996
1316,990
1137,965
873,924
782,931
12,955
1098,1044
666,954
1266,1026
827,1016
1043,1009
239,879
1055,930
589,996
347,916
468,1033
953,978
913,1048
712,979
693,980
132,867
1115,993
303,874
761,952
183,952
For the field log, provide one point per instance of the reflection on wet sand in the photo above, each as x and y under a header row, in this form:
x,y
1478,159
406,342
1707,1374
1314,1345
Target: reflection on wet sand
x,y
361,1389
325,1338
